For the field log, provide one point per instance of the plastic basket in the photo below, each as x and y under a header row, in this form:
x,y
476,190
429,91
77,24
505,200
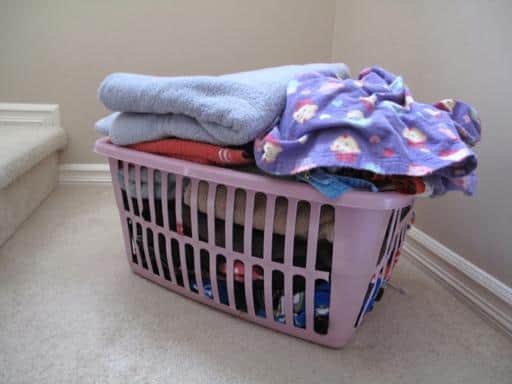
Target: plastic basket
x,y
244,273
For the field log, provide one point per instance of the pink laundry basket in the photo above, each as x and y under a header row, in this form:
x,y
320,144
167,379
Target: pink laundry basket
x,y
178,247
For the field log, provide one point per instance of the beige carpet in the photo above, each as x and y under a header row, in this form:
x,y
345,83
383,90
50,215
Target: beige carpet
x,y
72,312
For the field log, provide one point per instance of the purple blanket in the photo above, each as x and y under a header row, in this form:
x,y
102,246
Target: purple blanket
x,y
372,124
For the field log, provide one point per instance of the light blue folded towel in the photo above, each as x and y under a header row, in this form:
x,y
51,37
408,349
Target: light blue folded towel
x,y
227,110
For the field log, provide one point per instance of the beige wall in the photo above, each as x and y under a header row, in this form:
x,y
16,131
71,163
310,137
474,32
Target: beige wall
x,y
59,51
443,49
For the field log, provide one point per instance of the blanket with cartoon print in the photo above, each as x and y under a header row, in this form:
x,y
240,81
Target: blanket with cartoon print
x,y
373,124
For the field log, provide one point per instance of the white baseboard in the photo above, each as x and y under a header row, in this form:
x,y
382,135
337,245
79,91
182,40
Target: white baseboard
x,y
483,292
22,114
84,174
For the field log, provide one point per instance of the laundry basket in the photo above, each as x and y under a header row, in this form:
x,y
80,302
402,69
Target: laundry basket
x,y
306,287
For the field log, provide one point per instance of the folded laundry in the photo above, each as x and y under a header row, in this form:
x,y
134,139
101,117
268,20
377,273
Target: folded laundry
x,y
196,151
258,221
231,109
372,124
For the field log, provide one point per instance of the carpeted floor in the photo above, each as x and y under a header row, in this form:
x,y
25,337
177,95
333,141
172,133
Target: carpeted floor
x,y
72,312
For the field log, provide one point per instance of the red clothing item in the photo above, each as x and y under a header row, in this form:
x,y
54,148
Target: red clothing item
x,y
195,151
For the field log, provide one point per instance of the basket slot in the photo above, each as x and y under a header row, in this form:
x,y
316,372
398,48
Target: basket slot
x,y
197,269
131,240
230,283
186,212
183,265
389,236
138,182
202,219
259,292
133,245
126,178
205,272
303,212
122,201
164,177
267,292
152,251
212,190
321,306
257,236
395,254
193,207
278,241
291,213
239,272
239,230
228,222
139,245
404,232
145,247
297,286
374,285
288,297
386,240
278,297
213,278
170,260
248,285
396,213
124,198
117,175
161,256
190,270
404,212
221,295
220,227
151,194
269,226
178,204
324,250
249,213
394,243
309,303
156,211
399,236
363,306
314,220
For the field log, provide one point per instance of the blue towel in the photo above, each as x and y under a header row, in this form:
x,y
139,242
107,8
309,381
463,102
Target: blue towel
x,y
227,110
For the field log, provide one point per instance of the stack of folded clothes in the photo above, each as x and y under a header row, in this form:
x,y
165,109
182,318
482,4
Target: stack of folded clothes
x,y
310,122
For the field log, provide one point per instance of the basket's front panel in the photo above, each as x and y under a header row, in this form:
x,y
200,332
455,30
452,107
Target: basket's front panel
x,y
265,257
389,253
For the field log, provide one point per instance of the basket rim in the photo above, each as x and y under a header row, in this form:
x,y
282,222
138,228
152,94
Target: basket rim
x,y
258,183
